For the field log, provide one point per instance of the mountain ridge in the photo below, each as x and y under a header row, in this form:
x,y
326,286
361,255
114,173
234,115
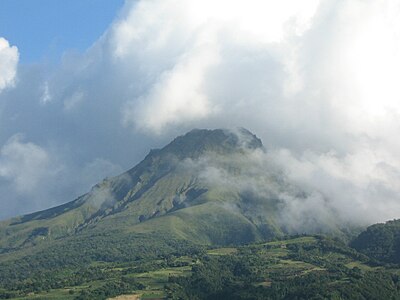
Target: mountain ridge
x,y
114,195
205,186
171,148
200,218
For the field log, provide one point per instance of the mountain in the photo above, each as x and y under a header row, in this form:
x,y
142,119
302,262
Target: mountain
x,y
205,187
202,218
163,192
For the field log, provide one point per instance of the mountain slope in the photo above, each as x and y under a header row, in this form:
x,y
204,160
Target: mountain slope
x,y
380,241
205,187
160,185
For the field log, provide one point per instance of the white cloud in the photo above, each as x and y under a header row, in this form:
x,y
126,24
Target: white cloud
x,y
178,45
361,186
317,78
177,97
8,63
24,164
73,101
35,177
311,192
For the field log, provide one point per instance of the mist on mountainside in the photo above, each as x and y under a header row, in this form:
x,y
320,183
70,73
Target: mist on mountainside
x,y
315,80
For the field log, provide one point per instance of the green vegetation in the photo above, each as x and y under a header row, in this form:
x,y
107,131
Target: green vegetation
x,y
381,242
163,193
161,230
168,192
304,267
300,268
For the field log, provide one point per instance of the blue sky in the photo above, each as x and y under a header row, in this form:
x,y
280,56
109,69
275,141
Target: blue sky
x,y
44,29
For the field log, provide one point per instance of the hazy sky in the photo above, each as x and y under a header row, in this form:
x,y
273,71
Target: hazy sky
x,y
87,89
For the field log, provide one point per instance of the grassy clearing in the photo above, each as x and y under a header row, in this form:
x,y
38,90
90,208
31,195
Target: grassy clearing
x,y
155,280
126,297
62,294
357,264
315,269
185,259
275,252
299,240
163,274
153,295
266,283
222,251
293,265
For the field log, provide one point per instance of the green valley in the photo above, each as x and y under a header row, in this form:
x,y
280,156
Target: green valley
x,y
301,267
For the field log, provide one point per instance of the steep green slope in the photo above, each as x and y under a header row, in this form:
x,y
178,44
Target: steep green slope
x,y
380,241
201,187
204,188
165,182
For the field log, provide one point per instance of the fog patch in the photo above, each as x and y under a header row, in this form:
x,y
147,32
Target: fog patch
x,y
309,193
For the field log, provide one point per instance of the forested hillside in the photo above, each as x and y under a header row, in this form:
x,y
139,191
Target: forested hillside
x,y
302,267
197,219
380,241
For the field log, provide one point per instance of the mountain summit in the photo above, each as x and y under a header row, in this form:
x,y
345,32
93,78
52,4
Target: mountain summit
x,y
205,187
198,141
135,232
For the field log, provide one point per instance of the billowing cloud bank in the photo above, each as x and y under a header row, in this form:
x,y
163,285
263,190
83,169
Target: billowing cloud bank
x,y
8,63
316,80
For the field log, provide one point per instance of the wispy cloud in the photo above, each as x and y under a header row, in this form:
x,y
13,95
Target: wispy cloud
x,y
24,164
